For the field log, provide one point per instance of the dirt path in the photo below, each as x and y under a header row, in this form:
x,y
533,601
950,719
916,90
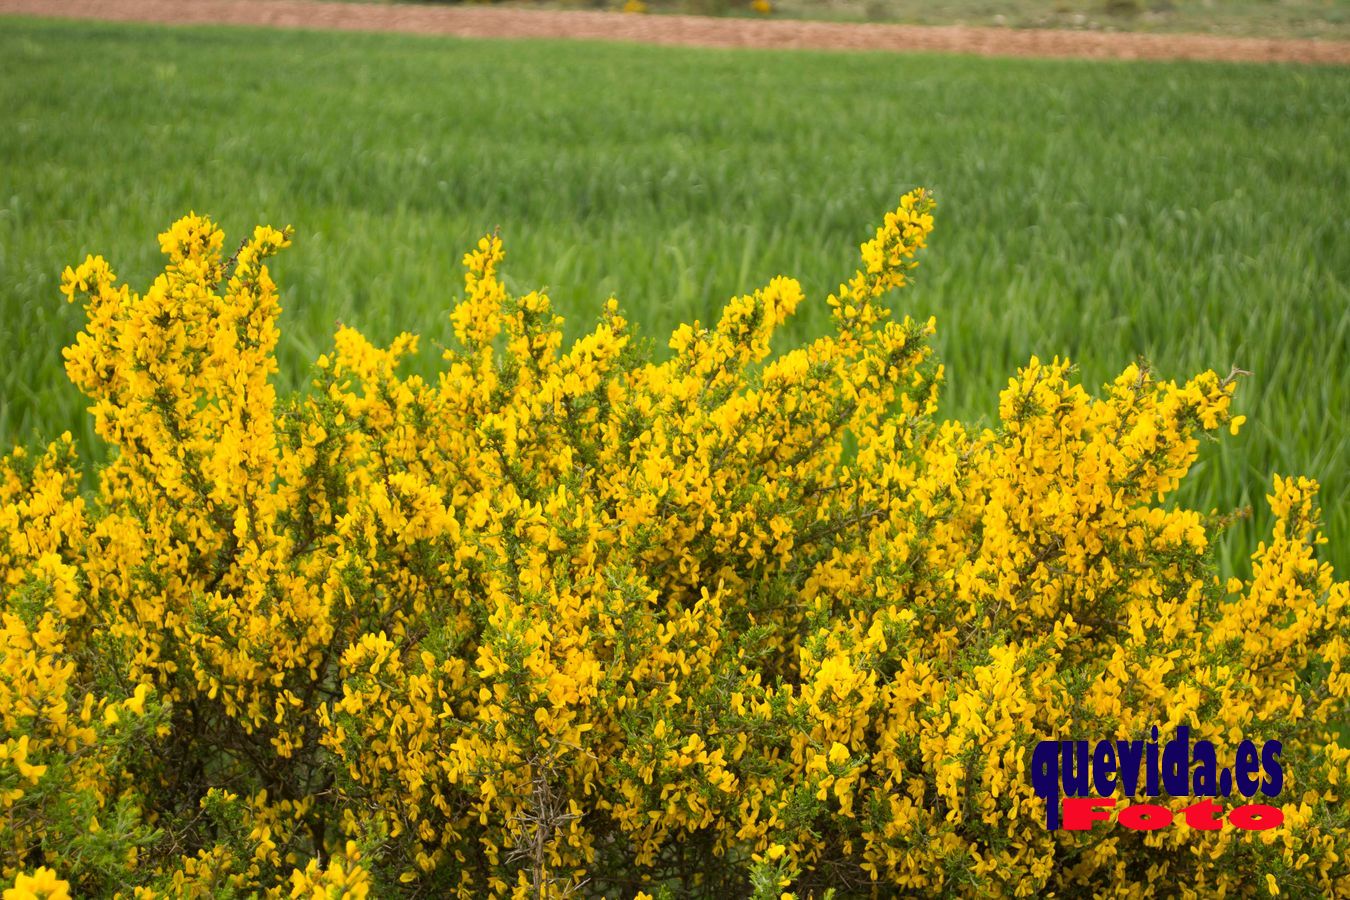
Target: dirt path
x,y
479,21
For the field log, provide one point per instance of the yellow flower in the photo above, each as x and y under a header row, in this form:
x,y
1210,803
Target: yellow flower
x,y
42,883
560,611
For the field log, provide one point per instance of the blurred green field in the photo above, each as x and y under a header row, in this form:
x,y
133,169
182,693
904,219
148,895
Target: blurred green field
x,y
1195,214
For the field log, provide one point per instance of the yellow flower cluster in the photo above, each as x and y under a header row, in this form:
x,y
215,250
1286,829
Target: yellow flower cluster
x,y
566,620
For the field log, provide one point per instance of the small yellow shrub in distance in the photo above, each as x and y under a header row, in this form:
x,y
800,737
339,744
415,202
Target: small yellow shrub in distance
x,y
567,620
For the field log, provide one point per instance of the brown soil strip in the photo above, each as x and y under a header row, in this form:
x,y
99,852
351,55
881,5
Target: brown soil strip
x,y
483,22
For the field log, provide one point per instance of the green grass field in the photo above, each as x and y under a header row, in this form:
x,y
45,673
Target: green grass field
x,y
1195,214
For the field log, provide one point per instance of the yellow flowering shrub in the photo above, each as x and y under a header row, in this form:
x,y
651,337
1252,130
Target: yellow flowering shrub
x,y
565,619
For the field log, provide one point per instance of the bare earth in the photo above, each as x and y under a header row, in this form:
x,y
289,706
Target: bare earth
x,y
483,22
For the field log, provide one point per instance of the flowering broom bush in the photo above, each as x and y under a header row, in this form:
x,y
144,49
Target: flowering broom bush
x,y
568,620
